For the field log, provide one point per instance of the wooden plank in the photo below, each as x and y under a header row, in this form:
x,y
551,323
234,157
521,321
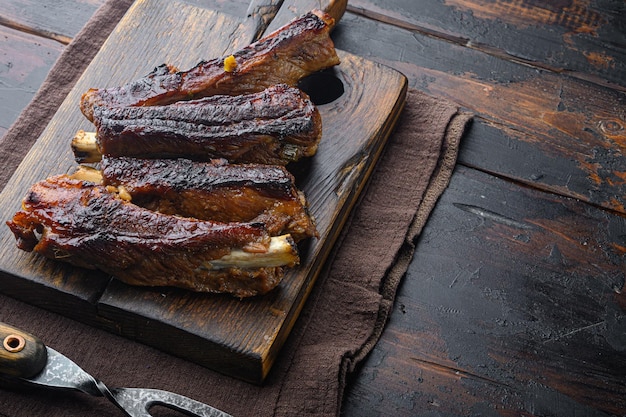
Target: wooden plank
x,y
34,16
582,38
69,16
24,63
514,301
241,338
547,130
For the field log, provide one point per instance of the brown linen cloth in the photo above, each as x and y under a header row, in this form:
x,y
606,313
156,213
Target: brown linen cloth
x,y
341,321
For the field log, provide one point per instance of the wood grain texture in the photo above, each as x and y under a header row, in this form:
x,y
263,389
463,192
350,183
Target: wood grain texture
x,y
241,338
573,130
55,20
538,329
582,38
451,346
60,20
24,63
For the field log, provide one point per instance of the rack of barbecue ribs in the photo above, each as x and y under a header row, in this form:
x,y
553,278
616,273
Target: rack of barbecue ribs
x,y
285,56
215,190
93,226
275,126
190,187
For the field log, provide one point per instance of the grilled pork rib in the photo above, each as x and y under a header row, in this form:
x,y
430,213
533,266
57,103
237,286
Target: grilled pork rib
x,y
90,226
287,55
275,126
215,191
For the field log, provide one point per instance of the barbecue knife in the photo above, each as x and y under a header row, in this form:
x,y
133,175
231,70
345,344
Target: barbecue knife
x,y
26,360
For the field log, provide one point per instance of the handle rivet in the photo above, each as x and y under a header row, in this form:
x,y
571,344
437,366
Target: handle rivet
x,y
14,343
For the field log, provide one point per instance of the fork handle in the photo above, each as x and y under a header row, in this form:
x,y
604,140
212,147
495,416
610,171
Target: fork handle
x,y
22,355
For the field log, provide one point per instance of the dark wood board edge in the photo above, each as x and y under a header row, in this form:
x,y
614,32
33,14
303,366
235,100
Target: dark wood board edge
x,y
54,286
138,313
172,338
48,297
381,141
32,291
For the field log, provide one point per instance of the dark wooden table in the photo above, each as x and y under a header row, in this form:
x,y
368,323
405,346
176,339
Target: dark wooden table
x,y
514,303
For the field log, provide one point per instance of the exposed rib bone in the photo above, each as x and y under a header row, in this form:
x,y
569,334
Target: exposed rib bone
x,y
87,173
281,252
85,147
89,226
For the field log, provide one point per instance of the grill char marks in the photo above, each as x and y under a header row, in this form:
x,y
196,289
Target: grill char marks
x,y
285,56
275,126
194,222
89,226
215,191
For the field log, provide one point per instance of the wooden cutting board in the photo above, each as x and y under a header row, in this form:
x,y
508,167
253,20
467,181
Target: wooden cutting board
x,y
241,338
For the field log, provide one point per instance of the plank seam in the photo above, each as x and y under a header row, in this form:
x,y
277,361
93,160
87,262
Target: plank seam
x,y
12,24
484,48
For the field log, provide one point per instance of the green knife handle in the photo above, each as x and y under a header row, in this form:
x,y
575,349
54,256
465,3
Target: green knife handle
x,y
22,355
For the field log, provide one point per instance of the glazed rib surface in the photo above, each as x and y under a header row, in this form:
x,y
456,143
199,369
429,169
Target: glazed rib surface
x,y
215,191
275,126
90,226
287,55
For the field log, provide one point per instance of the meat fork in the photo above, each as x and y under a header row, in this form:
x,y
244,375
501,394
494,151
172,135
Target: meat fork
x,y
24,359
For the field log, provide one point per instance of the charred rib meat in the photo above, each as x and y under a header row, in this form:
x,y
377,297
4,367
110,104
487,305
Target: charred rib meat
x,y
214,190
298,49
90,226
275,126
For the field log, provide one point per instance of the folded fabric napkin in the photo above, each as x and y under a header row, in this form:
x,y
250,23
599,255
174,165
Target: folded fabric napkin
x,y
344,315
